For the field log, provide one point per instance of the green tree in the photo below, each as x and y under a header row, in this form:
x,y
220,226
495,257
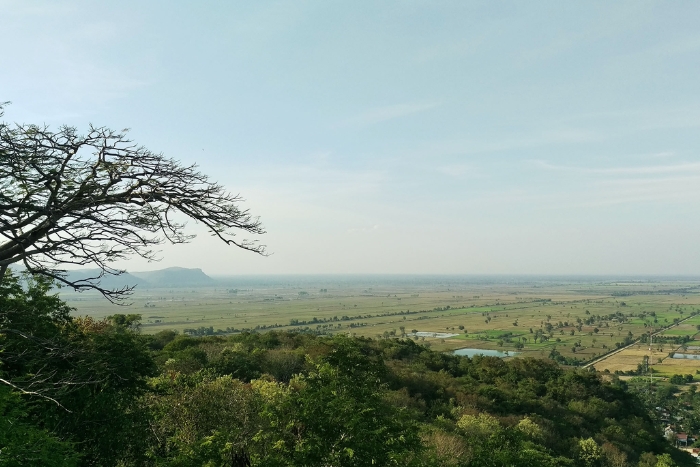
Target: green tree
x,y
665,460
81,378
492,445
589,452
342,418
204,420
23,444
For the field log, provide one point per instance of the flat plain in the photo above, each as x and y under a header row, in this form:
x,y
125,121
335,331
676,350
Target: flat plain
x,y
581,319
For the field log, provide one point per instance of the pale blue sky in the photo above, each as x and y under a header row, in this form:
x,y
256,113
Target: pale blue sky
x,y
396,137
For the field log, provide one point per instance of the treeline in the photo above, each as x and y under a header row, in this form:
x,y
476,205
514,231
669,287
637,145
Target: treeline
x,y
80,392
662,339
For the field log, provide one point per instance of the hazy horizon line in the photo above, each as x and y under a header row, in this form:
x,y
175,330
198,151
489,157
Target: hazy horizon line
x,y
416,274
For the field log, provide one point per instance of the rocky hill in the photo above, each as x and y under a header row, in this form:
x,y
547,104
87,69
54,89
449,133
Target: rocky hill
x,y
169,277
175,277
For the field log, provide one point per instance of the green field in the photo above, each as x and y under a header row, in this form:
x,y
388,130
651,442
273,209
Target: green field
x,y
581,320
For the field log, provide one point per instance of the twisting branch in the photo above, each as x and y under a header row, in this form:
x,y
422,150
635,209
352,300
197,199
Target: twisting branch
x,y
32,393
90,200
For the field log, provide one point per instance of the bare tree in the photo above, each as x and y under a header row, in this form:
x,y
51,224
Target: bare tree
x,y
92,199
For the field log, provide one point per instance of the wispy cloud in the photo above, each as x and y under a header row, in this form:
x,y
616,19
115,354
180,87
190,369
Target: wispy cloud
x,y
609,186
679,46
77,46
667,189
641,170
481,145
451,49
661,155
454,170
17,7
390,112
371,228
318,181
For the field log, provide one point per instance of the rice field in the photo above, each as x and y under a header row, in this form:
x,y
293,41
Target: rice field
x,y
580,320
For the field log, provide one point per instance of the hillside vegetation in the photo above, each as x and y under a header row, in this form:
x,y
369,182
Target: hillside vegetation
x,y
77,391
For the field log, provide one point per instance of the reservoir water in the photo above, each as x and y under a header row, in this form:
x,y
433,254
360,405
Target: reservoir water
x,y
689,356
439,335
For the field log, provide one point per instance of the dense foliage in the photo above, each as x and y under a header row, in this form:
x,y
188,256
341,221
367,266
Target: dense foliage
x,y
81,380
80,392
669,403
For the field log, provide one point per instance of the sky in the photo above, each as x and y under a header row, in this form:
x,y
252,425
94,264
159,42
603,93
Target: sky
x,y
411,137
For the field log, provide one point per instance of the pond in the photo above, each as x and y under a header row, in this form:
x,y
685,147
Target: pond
x,y
485,353
689,356
441,335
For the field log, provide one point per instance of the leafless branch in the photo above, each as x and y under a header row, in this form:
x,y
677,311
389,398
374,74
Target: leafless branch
x,y
93,199
32,393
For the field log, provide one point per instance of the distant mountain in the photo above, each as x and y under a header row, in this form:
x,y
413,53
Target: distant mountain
x,y
108,281
169,277
175,277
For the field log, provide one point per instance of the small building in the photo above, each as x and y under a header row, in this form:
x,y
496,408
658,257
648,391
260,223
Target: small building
x,y
669,431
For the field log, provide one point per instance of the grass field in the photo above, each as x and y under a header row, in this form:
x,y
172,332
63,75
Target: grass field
x,y
580,319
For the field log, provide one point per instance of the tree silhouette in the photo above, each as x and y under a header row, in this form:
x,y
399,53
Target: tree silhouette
x,y
92,199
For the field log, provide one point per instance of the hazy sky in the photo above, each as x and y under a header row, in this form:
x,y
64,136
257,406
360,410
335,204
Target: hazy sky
x,y
540,137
